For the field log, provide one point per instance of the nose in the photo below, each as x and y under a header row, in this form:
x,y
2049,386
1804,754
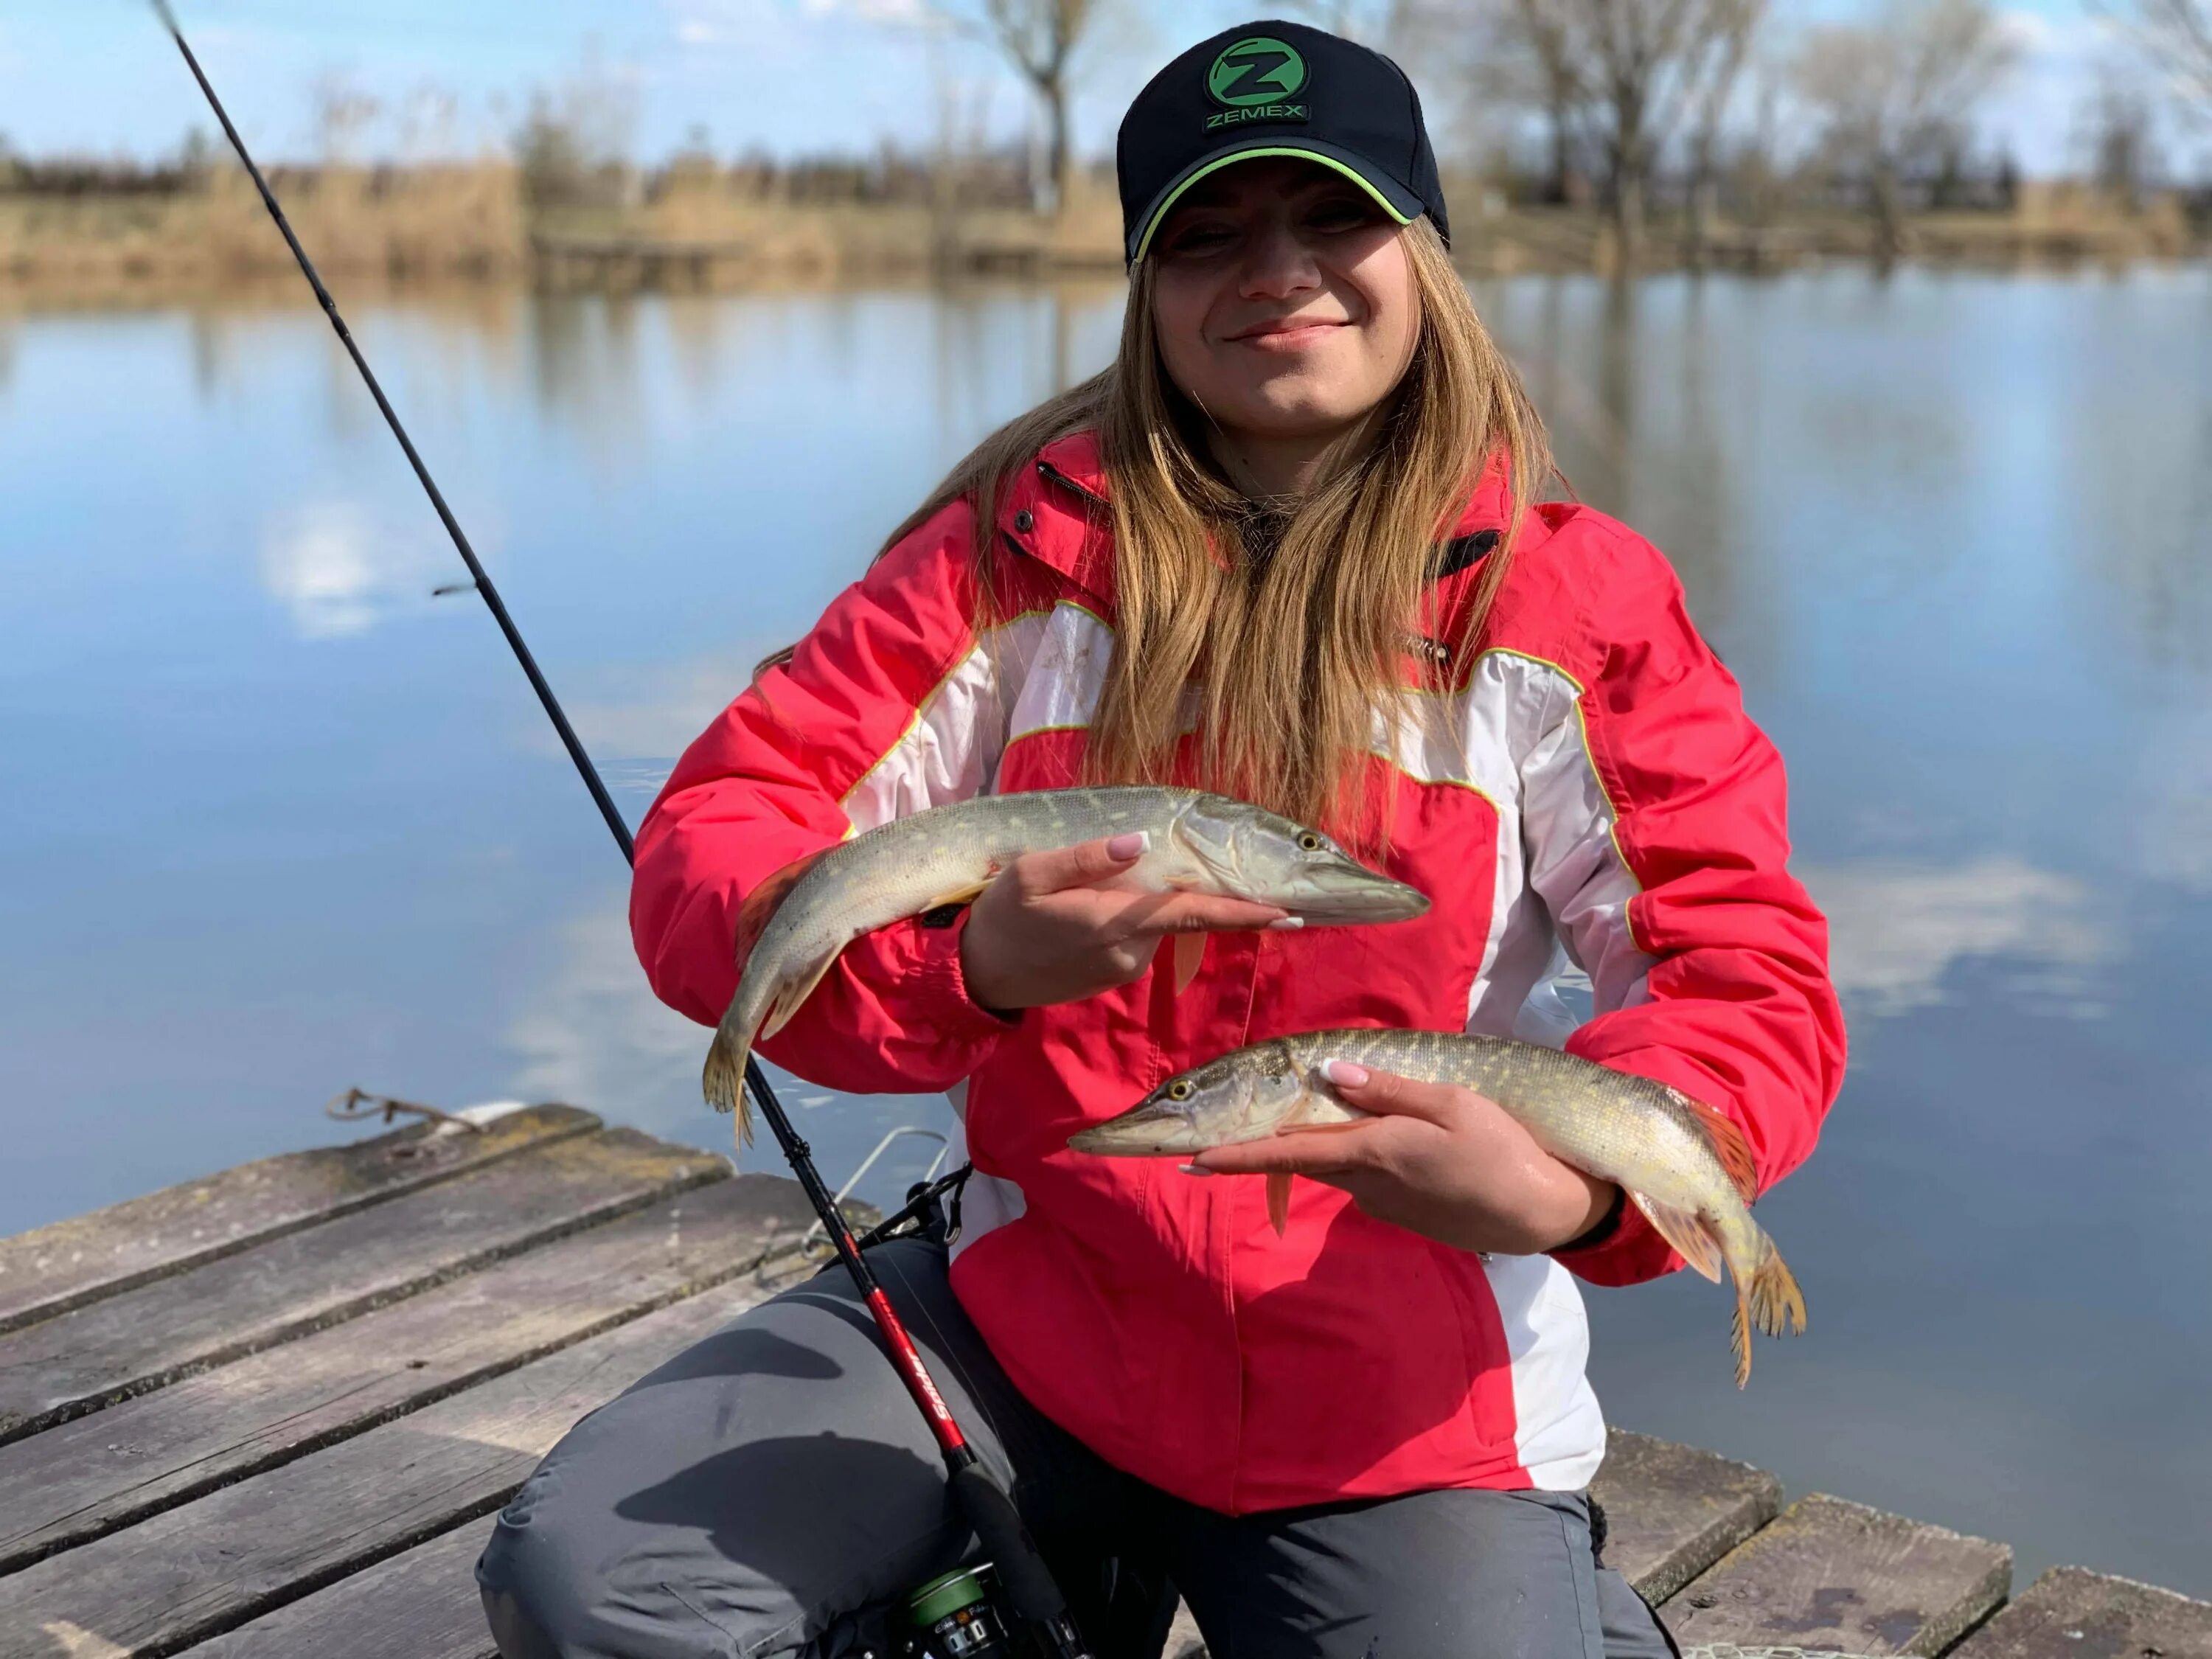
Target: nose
x,y
1278,264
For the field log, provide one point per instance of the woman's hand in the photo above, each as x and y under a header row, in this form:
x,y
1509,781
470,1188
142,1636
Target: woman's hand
x,y
1436,1158
1047,931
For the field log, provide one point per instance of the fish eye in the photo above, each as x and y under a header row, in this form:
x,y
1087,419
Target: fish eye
x,y
1309,841
1180,1089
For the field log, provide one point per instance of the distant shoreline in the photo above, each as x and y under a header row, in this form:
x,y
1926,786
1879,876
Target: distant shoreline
x,y
472,225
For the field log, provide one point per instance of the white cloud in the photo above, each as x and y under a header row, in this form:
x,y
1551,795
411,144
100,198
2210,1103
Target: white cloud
x,y
338,570
1896,931
912,14
635,737
763,29
594,1033
668,710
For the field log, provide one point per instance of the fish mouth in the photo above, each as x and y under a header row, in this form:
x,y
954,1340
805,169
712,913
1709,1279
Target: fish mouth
x,y
1356,895
1140,1133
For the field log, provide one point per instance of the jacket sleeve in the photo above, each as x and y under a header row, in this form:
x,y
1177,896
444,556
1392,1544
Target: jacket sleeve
x,y
1657,820
887,707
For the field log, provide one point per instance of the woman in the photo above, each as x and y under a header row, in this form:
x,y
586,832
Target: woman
x,y
1286,546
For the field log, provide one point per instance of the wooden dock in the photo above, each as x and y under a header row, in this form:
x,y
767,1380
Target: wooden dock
x,y
269,1414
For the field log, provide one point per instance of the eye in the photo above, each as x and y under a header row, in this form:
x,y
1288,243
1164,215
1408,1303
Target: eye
x,y
1196,240
1180,1090
1309,842
1345,213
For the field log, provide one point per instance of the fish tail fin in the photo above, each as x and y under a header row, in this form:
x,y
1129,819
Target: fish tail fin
x,y
1777,1304
1739,1333
724,1079
1767,1297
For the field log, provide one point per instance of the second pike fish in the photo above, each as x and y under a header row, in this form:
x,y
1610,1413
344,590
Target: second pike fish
x,y
1684,1165
791,927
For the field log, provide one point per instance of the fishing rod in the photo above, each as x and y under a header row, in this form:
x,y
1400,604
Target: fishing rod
x,y
989,1511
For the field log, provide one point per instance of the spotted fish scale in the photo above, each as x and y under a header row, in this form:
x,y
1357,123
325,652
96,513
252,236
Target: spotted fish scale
x,y
1684,1165
791,927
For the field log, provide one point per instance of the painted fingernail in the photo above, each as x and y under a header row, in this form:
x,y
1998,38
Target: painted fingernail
x,y
1130,846
1286,924
1349,1073
1192,1169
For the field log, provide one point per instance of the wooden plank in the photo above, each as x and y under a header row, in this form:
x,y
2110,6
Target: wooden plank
x,y
2071,1613
85,1478
1829,1574
141,1339
207,1566
420,1604
50,1270
1671,1512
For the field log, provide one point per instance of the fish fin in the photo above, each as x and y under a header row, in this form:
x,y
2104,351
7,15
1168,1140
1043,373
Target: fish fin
x,y
1725,1135
967,895
724,1079
1279,1201
1768,1298
1189,955
758,907
796,989
1777,1306
1686,1232
1740,1336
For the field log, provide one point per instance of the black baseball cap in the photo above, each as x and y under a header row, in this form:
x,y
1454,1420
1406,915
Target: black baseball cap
x,y
1275,89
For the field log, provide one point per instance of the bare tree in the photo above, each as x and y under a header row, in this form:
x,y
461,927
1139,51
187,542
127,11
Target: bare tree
x,y
1506,59
1735,24
2120,132
573,147
429,124
343,115
1616,77
1651,57
1545,35
1372,22
1900,94
2180,34
1038,38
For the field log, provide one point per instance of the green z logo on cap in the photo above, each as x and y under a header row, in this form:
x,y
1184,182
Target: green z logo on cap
x,y
1258,70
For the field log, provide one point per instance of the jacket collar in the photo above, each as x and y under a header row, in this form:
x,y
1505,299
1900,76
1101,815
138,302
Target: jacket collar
x,y
1054,512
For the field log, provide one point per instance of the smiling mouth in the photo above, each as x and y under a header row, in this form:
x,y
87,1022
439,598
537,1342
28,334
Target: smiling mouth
x,y
1278,336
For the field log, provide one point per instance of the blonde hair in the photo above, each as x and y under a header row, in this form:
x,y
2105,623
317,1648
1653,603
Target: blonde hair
x,y
1292,650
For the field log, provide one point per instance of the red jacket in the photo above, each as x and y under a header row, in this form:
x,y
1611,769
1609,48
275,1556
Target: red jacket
x,y
1592,793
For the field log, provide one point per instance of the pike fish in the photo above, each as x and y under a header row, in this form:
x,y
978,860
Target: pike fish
x,y
791,927
1684,1165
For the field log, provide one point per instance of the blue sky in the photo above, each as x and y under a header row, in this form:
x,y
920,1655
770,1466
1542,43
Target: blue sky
x,y
792,75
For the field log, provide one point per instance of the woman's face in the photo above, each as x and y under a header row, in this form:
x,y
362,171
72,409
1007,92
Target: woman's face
x,y
1284,300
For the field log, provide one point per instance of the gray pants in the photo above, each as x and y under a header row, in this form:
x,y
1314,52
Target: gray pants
x,y
774,1490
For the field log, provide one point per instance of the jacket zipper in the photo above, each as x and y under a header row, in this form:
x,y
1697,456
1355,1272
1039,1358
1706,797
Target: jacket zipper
x,y
1048,469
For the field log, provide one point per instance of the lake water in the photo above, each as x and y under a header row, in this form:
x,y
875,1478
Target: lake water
x,y
275,821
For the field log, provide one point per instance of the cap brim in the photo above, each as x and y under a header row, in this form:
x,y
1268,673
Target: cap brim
x,y
1391,194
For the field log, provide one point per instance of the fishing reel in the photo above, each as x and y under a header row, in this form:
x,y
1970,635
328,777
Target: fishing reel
x,y
958,1615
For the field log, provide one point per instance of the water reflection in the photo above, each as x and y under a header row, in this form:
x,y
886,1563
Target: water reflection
x,y
337,571
1897,933
590,1029
294,825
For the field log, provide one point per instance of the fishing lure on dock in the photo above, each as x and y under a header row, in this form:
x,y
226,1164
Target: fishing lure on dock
x,y
790,927
1686,1166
